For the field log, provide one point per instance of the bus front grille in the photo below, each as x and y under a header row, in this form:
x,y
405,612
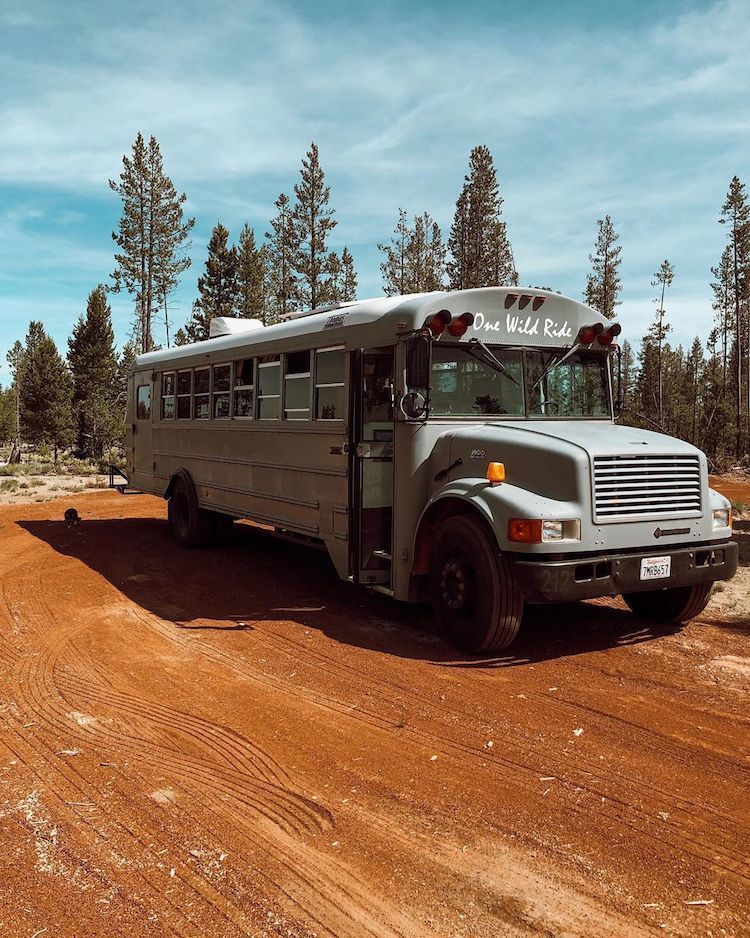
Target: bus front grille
x,y
645,487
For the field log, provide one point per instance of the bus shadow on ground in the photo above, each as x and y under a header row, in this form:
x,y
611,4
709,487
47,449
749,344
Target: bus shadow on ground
x,y
256,578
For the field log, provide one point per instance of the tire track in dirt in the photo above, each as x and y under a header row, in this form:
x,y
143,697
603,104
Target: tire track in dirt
x,y
697,828
355,902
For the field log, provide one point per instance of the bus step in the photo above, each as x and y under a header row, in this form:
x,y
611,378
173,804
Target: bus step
x,y
119,481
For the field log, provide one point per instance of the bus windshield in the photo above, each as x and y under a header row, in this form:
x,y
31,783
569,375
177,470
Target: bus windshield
x,y
475,381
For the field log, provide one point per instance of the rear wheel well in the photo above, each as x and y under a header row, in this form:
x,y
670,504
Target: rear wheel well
x,y
435,515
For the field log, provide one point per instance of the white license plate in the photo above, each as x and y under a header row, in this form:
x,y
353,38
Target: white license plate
x,y
655,568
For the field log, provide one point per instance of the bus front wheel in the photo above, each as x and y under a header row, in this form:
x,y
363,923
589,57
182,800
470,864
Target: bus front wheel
x,y
193,526
670,606
474,594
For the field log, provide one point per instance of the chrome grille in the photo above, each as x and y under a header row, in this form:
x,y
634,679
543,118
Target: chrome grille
x,y
646,487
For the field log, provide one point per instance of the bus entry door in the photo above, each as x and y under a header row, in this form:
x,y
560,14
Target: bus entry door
x,y
374,466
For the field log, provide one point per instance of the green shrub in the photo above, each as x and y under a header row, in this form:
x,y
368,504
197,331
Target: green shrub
x,y
8,485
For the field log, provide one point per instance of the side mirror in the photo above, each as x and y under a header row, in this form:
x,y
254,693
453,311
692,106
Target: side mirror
x,y
414,403
418,356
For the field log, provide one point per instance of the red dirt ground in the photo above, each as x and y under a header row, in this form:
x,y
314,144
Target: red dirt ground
x,y
233,741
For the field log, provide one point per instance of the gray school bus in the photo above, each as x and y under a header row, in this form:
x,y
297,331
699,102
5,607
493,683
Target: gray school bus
x,y
458,447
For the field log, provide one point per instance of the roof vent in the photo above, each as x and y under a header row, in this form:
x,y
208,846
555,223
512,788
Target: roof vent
x,y
225,325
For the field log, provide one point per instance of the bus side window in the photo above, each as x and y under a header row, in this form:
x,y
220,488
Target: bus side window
x,y
143,402
167,396
269,387
201,384
220,389
297,386
244,388
184,390
329,384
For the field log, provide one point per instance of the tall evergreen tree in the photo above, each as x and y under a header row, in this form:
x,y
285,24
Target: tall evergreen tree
x,y
394,265
481,255
603,283
7,415
217,287
252,278
735,214
15,359
46,392
348,277
660,328
627,378
151,237
723,290
281,254
425,256
93,366
313,222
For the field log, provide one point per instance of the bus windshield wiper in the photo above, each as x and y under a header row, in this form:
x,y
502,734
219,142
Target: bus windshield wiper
x,y
488,358
555,363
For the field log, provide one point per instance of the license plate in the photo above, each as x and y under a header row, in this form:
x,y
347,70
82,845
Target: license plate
x,y
655,568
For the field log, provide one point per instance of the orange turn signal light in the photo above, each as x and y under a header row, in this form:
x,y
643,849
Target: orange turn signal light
x,y
525,530
495,472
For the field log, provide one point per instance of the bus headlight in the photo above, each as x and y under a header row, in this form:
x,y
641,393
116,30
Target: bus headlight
x,y
721,518
538,531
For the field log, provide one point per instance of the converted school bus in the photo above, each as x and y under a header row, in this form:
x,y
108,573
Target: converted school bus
x,y
457,446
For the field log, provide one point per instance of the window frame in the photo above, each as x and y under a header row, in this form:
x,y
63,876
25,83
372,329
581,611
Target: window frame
x,y
138,388
302,375
259,398
213,393
243,387
202,394
329,384
189,396
164,397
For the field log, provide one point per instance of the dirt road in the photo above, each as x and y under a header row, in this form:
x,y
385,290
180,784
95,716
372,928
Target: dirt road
x,y
234,742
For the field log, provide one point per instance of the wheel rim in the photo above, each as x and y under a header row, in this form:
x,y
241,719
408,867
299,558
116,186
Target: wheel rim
x,y
458,587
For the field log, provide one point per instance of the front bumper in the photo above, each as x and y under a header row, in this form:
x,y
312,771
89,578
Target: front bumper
x,y
559,581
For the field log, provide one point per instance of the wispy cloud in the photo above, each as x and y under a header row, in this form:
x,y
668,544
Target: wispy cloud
x,y
646,119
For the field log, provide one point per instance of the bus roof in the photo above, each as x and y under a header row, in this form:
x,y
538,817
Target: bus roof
x,y
502,315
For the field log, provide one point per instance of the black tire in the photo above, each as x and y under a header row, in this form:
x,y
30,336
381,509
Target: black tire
x,y
676,604
475,597
193,526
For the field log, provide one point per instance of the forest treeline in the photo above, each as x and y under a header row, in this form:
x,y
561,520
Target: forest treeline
x,y
77,401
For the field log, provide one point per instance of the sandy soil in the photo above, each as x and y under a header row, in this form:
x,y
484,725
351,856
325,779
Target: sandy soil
x,y
43,488
233,742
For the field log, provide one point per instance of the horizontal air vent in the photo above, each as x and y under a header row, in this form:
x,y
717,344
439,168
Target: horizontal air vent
x,y
646,487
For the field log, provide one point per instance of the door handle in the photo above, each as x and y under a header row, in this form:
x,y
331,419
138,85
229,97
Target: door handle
x,y
363,449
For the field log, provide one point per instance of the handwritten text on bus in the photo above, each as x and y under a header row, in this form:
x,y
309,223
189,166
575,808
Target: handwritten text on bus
x,y
525,325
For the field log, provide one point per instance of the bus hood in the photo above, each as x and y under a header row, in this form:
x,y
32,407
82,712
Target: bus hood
x,y
553,458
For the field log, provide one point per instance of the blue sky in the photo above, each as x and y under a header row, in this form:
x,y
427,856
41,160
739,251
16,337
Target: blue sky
x,y
639,110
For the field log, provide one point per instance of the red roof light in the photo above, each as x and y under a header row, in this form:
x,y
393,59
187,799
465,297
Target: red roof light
x,y
459,325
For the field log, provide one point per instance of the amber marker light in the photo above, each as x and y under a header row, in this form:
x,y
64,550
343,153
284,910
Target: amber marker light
x,y
495,472
525,530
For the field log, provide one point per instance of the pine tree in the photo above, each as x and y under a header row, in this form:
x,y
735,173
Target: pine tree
x,y
124,363
93,365
281,254
349,277
46,392
660,328
7,415
603,283
394,267
481,255
252,278
735,213
152,236
313,221
425,256
627,378
217,287
694,384
723,290
15,359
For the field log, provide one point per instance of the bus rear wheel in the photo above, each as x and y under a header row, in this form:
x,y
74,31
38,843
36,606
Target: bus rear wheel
x,y
474,594
670,606
193,526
